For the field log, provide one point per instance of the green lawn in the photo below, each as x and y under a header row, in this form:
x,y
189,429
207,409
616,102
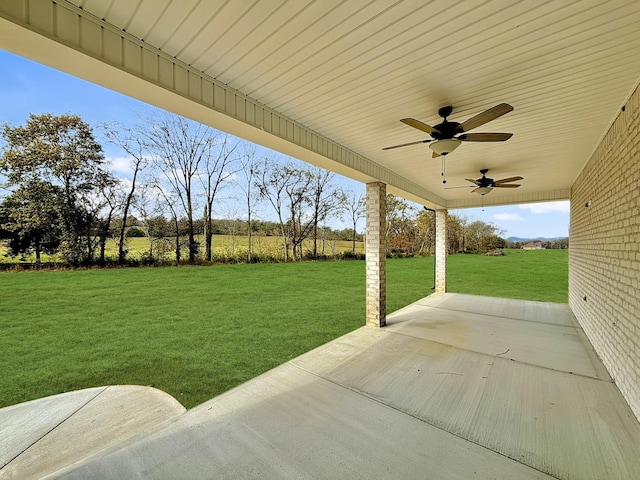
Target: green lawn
x,y
527,274
198,331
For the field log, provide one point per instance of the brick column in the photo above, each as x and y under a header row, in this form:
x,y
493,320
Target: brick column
x,y
441,251
376,253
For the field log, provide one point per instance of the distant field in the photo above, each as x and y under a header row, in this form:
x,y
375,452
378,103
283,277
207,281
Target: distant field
x,y
221,244
198,331
227,244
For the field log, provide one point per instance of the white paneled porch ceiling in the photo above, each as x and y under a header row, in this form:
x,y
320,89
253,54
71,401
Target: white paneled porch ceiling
x,y
351,69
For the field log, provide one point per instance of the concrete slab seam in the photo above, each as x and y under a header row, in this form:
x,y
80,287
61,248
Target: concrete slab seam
x,y
379,402
500,316
505,359
55,426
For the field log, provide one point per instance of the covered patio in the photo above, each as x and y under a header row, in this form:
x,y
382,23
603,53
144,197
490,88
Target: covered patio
x,y
456,386
453,386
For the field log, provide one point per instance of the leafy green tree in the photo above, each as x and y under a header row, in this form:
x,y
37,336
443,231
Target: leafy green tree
x,y
560,243
482,237
456,233
30,217
135,232
426,235
62,151
401,225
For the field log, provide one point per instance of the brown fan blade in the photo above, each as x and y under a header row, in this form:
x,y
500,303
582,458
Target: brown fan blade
x,y
485,117
507,180
412,122
484,137
472,181
406,144
509,185
459,186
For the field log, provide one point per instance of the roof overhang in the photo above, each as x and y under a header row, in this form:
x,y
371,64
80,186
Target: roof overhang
x,y
327,82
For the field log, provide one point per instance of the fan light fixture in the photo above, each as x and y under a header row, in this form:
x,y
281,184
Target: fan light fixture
x,y
483,190
444,147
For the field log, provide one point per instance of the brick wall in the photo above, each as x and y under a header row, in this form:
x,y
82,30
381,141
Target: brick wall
x,y
604,251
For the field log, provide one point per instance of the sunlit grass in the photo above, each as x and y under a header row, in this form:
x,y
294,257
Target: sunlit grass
x,y
198,331
526,274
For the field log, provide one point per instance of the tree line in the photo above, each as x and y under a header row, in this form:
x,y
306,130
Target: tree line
x,y
61,194
411,230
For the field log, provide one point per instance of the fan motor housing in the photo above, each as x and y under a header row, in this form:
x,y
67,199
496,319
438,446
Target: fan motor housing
x,y
484,181
445,130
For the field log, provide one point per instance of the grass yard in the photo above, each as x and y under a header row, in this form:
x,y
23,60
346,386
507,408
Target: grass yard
x,y
198,331
540,275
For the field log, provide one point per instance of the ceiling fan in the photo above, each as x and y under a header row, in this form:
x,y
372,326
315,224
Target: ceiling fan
x,y
485,184
447,136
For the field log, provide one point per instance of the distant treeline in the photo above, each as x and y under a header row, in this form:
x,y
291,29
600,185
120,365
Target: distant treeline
x,y
161,227
555,244
61,197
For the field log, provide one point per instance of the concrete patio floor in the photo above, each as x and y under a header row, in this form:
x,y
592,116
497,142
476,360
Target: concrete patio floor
x,y
455,387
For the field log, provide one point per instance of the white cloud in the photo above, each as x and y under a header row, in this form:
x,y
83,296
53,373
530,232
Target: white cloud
x,y
508,217
546,207
120,165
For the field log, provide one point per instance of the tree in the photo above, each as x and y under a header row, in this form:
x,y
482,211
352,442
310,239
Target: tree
x,y
218,167
482,237
100,211
131,140
63,152
232,226
176,223
560,243
456,233
401,227
298,197
426,235
355,208
326,199
147,207
288,189
271,184
477,236
31,218
249,171
179,148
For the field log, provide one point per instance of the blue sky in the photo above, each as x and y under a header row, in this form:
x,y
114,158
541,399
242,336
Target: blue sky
x,y
533,220
27,87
